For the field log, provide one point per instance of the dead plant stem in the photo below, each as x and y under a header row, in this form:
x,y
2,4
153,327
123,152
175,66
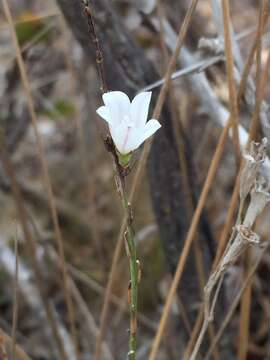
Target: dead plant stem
x,y
189,238
46,177
9,170
230,76
253,131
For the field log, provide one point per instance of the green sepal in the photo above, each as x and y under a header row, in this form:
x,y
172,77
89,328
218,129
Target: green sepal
x,y
124,160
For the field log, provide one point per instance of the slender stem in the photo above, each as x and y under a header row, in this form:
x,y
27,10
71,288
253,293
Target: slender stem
x,y
121,171
133,266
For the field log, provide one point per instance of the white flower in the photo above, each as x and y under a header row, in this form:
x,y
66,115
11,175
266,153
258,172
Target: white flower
x,y
127,120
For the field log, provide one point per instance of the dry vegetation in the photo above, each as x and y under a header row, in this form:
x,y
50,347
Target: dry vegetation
x,y
63,269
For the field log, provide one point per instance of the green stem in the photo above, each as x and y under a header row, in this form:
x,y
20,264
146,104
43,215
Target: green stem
x,y
133,290
134,265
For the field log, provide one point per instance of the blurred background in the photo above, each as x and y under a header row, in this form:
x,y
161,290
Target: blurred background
x,y
59,58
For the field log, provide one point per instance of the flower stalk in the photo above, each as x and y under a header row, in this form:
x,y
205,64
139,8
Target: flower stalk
x,y
129,128
134,266
134,280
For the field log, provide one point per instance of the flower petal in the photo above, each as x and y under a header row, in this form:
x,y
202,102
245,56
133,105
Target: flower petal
x,y
104,112
118,104
139,108
132,140
149,129
118,133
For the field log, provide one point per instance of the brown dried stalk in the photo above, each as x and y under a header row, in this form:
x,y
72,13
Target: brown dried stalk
x,y
20,353
179,137
234,199
9,170
230,75
242,236
189,238
253,133
235,304
46,178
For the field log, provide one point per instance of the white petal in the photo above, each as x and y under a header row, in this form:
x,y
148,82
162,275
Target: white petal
x,y
133,141
139,108
118,104
149,129
104,112
118,134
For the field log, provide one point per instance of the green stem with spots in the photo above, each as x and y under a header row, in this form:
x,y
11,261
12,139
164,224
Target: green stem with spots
x,y
133,267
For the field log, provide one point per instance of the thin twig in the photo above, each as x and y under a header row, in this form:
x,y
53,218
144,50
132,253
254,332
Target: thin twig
x,y
265,76
218,20
46,177
99,53
230,75
181,152
253,131
247,67
181,149
255,121
199,66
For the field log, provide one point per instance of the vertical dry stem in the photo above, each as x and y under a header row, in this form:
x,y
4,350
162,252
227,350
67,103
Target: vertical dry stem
x,y
179,137
234,199
230,75
234,306
8,167
189,239
247,67
242,237
253,131
46,178
99,54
